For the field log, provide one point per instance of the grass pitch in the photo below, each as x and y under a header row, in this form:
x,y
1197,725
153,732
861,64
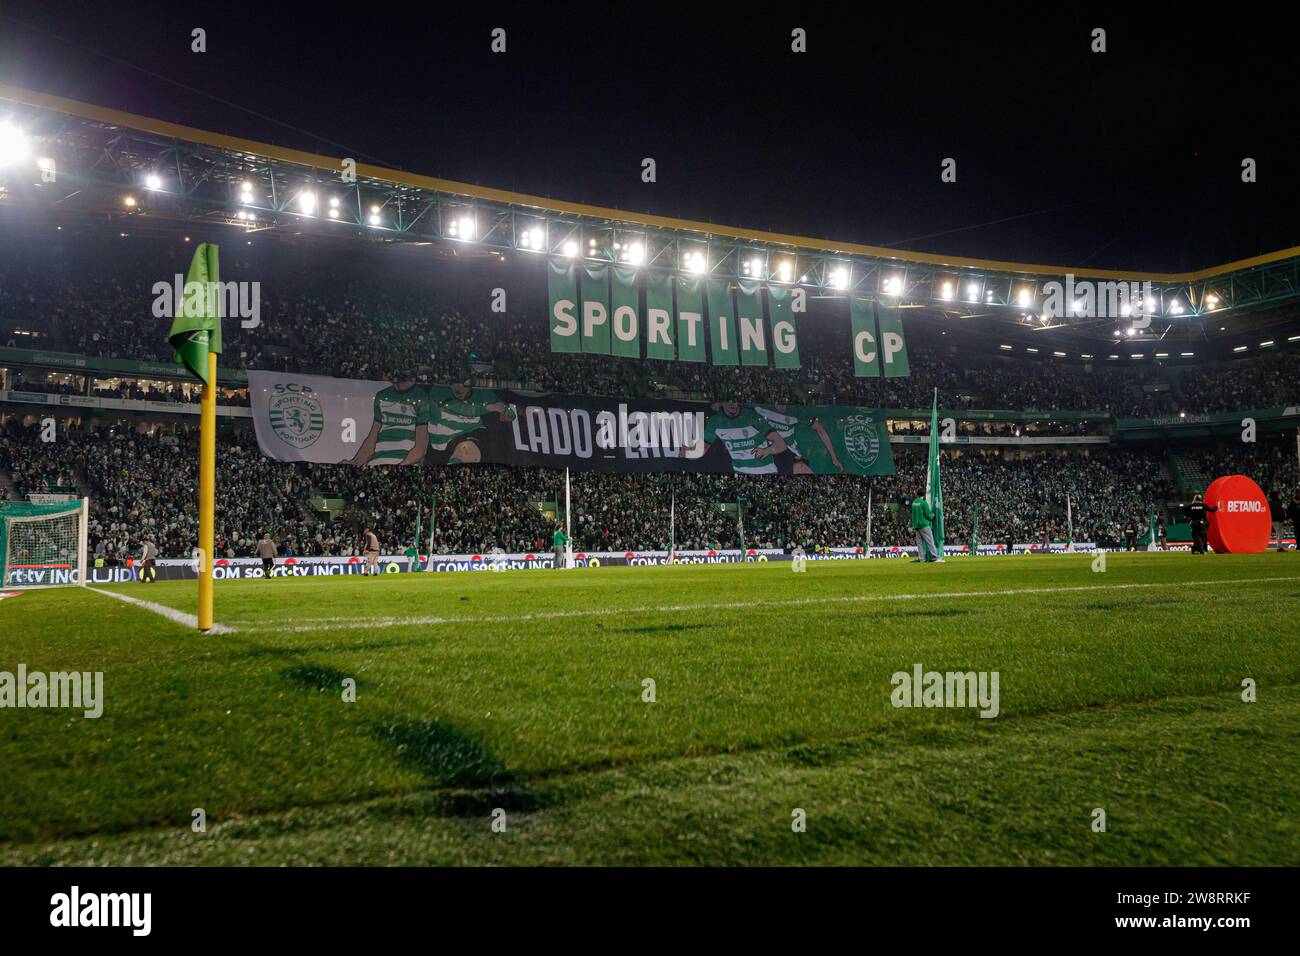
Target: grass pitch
x,y
523,692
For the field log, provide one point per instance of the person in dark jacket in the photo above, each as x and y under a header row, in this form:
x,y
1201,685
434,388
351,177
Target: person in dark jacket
x,y
1198,513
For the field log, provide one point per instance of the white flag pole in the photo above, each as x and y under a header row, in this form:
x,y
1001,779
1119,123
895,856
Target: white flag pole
x,y
672,527
568,529
1069,525
868,554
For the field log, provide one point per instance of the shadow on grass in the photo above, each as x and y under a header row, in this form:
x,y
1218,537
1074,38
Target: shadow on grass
x,y
315,677
658,628
477,781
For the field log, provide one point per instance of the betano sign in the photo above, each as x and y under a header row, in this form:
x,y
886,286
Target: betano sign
x,y
1243,521
613,311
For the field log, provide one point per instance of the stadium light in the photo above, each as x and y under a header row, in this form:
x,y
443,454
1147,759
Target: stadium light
x,y
1026,297
1126,310
893,286
635,253
1212,300
334,213
307,202
785,270
1267,344
1136,355
695,262
1187,354
1086,355
1059,354
375,219
1240,348
1035,351
128,202
1176,308
334,202
465,227
1162,355
14,144
946,292
570,248
754,267
1293,338
972,291
153,181
840,278
1006,347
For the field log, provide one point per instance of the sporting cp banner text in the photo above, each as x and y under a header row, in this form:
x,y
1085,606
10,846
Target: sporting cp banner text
x,y
614,310
342,421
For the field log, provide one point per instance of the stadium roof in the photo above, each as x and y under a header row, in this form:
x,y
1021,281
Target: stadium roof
x,y
105,154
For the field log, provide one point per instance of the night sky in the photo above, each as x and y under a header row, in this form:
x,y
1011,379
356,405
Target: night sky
x,y
1127,159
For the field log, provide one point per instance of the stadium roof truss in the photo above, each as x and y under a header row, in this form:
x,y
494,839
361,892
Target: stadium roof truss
x,y
101,156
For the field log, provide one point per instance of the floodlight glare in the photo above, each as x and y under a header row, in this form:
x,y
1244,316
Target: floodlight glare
x,y
570,248
636,254
307,202
1025,297
334,213
466,228
153,181
946,293
785,270
374,219
14,144
839,279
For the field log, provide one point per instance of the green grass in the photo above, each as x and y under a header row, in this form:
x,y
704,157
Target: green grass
x,y
523,691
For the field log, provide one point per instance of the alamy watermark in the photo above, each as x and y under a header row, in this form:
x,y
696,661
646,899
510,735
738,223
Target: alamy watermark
x,y
1086,299
922,688
76,690
229,299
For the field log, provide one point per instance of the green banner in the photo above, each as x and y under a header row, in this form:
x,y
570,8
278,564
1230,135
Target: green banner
x,y
785,345
749,324
625,317
595,309
690,319
866,354
722,323
659,317
893,347
562,289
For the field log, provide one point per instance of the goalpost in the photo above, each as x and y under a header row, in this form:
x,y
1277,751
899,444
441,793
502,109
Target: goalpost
x,y
43,546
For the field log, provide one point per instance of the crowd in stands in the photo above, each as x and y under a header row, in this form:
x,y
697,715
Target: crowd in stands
x,y
359,321
143,485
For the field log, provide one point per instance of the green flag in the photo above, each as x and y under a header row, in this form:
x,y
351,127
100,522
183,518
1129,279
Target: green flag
x,y
933,489
975,529
196,329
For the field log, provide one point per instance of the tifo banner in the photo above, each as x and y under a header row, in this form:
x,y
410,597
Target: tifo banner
x,y
600,310
342,421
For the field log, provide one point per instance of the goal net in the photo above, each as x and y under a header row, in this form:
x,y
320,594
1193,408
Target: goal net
x,y
43,545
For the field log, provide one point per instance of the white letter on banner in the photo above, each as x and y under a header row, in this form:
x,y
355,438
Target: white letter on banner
x,y
568,325
861,349
692,320
606,430
593,314
783,337
625,323
891,343
559,431
658,322
537,440
581,432
751,335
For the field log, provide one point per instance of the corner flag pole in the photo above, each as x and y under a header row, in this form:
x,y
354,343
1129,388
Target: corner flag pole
x,y
568,532
672,527
869,513
207,489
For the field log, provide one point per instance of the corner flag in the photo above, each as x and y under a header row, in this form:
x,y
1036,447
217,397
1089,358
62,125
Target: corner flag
x,y
196,327
933,489
196,337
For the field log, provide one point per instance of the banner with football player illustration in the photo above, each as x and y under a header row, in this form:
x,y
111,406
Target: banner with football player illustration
x,y
341,421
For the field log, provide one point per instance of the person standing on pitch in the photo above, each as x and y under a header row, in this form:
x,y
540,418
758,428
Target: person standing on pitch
x,y
558,541
1131,535
266,551
371,546
1198,517
148,556
922,515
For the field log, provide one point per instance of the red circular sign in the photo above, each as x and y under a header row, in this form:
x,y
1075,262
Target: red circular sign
x,y
1242,523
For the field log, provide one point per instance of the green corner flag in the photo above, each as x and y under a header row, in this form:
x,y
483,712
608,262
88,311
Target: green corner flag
x,y
933,489
196,329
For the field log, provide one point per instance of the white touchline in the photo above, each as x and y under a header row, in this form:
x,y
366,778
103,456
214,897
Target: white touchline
x,y
180,617
345,623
